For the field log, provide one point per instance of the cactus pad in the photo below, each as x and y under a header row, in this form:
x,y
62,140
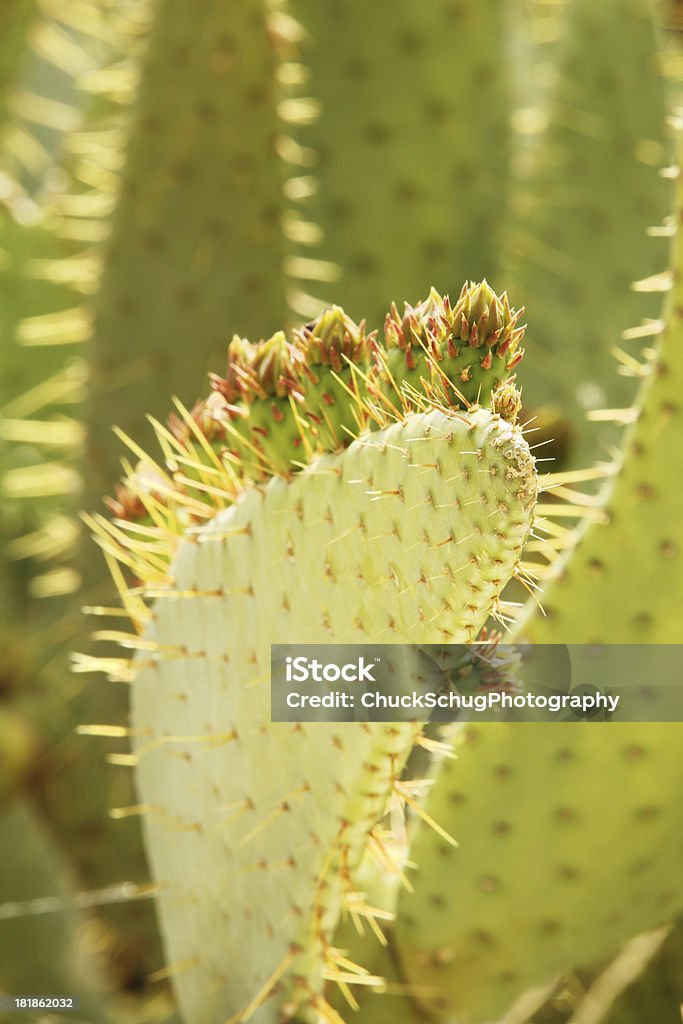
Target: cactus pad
x,y
569,845
255,828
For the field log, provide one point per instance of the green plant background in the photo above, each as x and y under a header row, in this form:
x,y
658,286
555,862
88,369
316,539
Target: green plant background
x,y
173,173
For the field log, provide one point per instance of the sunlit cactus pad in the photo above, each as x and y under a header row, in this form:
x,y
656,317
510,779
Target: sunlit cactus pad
x,y
254,828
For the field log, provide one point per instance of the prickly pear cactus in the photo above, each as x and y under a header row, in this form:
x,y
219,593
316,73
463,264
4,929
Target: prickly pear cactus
x,y
634,599
405,129
284,399
433,512
521,928
48,271
14,20
542,879
600,118
196,241
353,154
473,344
431,508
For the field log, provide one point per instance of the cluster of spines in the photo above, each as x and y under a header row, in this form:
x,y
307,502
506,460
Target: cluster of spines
x,y
278,368
284,400
466,349
433,330
479,319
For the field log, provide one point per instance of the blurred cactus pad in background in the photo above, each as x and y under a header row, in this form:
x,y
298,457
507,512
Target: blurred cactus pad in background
x,y
335,322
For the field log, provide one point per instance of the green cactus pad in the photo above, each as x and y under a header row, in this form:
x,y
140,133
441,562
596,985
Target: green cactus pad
x,y
287,399
256,828
47,275
291,399
586,228
411,147
467,349
569,845
560,874
196,238
623,582
15,18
